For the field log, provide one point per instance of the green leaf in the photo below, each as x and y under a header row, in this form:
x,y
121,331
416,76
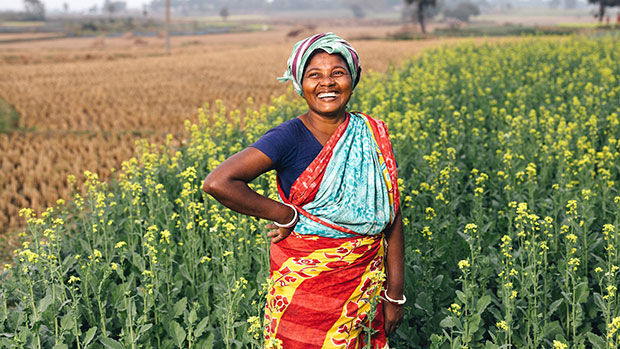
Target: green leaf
x,y
554,306
579,315
437,339
116,294
474,324
85,246
66,323
567,296
206,343
552,329
110,343
178,308
144,328
490,345
90,334
3,315
600,302
185,273
483,303
138,261
447,322
461,296
60,346
437,281
239,323
200,328
192,316
464,236
178,333
423,302
45,302
597,341
582,292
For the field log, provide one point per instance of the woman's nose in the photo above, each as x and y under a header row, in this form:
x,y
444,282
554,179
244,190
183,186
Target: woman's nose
x,y
327,80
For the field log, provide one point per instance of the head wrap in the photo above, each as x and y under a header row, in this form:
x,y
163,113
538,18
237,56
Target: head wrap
x,y
328,42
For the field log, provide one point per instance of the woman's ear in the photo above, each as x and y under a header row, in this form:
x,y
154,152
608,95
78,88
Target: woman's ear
x,y
357,78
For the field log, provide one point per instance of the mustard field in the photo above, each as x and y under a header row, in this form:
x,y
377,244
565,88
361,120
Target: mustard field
x,y
83,108
509,165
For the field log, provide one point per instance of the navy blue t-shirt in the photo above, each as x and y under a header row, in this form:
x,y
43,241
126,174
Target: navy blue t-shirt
x,y
291,147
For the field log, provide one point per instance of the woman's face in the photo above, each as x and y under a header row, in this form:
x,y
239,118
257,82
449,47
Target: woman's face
x,y
327,84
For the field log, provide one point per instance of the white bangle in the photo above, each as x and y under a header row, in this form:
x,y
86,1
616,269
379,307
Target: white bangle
x,y
292,222
395,301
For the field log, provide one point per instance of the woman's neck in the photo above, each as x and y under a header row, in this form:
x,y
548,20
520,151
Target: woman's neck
x,y
322,127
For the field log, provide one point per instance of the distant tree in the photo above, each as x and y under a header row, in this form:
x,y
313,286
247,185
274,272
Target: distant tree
x,y
358,11
603,4
359,8
108,6
462,11
35,9
554,3
570,3
421,8
65,7
224,13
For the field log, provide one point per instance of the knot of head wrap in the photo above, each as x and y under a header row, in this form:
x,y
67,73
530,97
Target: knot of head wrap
x,y
328,42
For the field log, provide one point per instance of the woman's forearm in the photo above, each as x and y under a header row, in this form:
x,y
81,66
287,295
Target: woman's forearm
x,y
236,195
395,262
227,183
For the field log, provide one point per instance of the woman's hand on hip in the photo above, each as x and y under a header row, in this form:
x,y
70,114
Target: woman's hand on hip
x,y
392,317
277,234
228,184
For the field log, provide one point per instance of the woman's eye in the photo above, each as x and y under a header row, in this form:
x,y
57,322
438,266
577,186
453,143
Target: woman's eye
x,y
338,72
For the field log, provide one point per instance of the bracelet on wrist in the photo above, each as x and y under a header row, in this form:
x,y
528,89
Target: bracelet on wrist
x,y
394,301
292,222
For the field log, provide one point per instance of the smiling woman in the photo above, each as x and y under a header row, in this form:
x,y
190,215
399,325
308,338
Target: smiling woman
x,y
337,241
327,85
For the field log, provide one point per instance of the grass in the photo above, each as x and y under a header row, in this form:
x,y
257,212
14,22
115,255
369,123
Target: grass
x,y
9,118
485,31
505,30
22,24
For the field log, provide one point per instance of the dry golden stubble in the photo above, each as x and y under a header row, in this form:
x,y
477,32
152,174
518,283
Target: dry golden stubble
x,y
34,166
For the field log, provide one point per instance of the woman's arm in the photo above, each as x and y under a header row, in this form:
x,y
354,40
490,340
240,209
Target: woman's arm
x,y
395,269
227,183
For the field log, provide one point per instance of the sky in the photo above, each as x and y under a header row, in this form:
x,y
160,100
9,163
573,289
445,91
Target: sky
x,y
74,5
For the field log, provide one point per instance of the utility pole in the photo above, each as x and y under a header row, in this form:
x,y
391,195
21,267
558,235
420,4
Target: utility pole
x,y
167,27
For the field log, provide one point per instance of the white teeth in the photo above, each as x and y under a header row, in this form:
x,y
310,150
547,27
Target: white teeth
x,y
327,95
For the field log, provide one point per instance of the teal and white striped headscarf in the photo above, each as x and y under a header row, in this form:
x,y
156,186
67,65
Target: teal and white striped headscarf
x,y
328,42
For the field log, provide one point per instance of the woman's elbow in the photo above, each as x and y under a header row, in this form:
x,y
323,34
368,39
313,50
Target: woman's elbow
x,y
210,185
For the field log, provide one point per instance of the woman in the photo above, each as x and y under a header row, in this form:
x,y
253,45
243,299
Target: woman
x,y
337,180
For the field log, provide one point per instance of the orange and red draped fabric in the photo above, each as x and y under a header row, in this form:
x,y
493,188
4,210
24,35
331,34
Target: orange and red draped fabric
x,y
321,292
322,287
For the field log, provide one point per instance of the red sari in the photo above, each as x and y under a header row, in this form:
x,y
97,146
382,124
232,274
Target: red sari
x,y
322,288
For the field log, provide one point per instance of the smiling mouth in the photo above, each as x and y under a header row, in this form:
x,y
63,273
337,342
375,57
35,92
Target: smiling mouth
x,y
327,96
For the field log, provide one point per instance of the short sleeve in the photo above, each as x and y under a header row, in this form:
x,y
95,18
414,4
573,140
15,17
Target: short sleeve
x,y
278,144
291,147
